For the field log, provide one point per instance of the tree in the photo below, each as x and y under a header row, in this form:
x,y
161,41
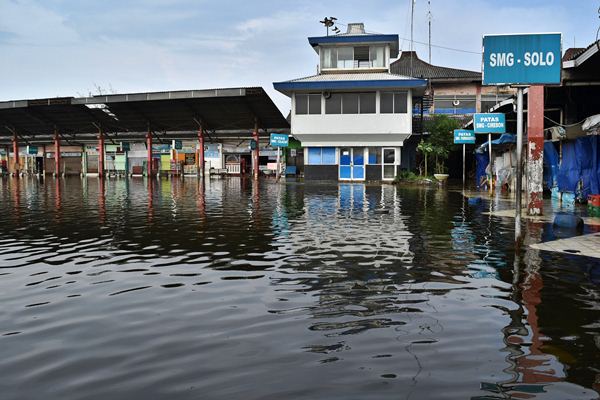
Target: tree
x,y
441,139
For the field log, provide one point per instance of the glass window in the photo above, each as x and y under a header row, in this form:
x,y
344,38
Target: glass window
x,y
328,156
377,54
367,103
389,171
333,105
345,57
321,156
389,156
328,57
387,103
314,104
314,155
374,155
350,103
301,104
361,57
400,103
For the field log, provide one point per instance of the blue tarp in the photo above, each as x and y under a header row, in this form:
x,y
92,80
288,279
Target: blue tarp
x,y
481,163
580,163
550,164
505,138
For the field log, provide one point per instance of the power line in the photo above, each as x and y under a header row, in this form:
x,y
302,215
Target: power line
x,y
423,43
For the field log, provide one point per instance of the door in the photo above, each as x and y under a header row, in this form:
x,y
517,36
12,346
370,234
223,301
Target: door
x,y
345,163
358,164
389,163
352,163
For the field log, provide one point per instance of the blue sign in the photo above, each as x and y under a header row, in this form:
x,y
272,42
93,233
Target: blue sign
x,y
279,140
489,123
177,144
464,136
525,59
32,150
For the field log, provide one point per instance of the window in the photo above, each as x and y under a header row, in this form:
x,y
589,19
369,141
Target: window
x,y
329,57
301,104
353,57
321,156
393,102
333,105
367,103
308,104
374,155
350,103
377,56
361,57
345,57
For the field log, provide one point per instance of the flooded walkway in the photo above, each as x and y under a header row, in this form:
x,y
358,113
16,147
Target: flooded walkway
x,y
237,289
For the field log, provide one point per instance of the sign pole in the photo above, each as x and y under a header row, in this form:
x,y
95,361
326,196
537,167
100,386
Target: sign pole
x,y
519,164
464,162
278,166
490,163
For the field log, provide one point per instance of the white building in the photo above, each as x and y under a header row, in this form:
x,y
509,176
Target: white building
x,y
354,115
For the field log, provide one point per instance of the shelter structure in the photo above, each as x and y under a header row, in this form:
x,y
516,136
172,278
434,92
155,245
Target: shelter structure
x,y
58,134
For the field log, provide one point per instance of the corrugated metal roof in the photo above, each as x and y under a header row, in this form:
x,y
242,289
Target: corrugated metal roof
x,y
422,69
358,76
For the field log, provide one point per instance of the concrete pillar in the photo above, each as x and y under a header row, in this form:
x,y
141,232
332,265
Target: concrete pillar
x,y
256,152
149,171
100,153
535,152
201,162
57,166
15,144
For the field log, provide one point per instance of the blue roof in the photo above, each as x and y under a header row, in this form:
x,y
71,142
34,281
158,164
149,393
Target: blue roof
x,y
393,40
349,82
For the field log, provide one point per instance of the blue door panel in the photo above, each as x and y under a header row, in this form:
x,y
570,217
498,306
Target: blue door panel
x,y
345,172
358,172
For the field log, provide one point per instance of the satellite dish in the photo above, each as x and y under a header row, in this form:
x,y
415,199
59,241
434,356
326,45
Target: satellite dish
x,y
455,103
327,95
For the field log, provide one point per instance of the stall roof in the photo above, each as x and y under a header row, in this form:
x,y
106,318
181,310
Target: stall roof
x,y
221,111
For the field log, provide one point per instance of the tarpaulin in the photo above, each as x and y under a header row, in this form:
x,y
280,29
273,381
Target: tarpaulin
x,y
586,150
568,173
550,164
505,138
481,163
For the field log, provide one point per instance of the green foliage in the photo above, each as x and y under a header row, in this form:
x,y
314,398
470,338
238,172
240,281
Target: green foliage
x,y
439,141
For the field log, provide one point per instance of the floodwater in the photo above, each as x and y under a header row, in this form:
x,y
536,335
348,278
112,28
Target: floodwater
x,y
173,289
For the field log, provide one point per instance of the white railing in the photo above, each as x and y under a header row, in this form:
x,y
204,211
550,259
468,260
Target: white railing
x,y
233,168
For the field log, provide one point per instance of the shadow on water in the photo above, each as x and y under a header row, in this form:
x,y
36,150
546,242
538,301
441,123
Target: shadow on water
x,y
136,288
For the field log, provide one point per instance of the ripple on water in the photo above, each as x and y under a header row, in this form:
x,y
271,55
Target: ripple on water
x,y
229,289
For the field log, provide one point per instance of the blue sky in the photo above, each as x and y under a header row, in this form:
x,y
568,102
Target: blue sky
x,y
69,47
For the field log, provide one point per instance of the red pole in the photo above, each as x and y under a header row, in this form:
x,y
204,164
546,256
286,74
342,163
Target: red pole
x,y
149,145
16,153
201,150
56,153
100,153
535,153
256,153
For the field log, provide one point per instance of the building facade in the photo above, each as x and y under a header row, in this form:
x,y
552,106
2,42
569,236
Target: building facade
x,y
353,116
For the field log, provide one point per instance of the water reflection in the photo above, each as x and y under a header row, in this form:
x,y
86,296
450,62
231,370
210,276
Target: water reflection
x,y
215,288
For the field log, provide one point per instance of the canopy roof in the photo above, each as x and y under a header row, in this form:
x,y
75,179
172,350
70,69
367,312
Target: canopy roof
x,y
222,112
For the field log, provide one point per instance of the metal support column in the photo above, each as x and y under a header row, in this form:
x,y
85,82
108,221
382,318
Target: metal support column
x,y
535,153
57,161
149,159
15,144
256,153
519,171
100,153
201,162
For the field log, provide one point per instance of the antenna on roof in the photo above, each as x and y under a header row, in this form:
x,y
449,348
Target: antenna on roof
x,y
328,22
412,18
429,18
